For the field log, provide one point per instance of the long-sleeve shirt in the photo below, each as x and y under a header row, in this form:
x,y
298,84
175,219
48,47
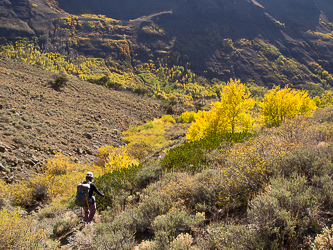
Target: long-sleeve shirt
x,y
93,189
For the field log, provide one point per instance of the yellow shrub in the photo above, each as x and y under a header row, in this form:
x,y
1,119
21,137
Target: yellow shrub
x,y
105,150
64,185
60,178
118,159
168,119
19,232
58,165
21,194
151,133
187,117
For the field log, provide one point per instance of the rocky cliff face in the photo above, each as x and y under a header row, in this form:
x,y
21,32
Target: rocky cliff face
x,y
23,18
199,30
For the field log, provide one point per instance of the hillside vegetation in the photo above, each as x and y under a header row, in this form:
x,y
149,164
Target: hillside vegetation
x,y
245,187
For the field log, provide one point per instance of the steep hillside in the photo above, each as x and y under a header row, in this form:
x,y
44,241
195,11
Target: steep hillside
x,y
36,120
268,42
225,39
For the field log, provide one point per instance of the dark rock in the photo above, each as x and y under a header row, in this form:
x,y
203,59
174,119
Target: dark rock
x,y
88,136
178,136
2,149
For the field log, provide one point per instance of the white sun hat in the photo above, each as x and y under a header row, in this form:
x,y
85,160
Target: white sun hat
x,y
89,174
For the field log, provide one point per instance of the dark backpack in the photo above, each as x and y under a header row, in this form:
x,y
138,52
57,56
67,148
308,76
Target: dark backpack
x,y
82,195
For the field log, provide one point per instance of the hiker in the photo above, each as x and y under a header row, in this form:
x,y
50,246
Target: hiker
x,y
86,199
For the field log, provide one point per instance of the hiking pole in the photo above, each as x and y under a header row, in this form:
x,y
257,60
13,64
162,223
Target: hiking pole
x,y
87,202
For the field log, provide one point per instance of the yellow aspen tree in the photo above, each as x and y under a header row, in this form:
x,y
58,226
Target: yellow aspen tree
x,y
231,114
280,104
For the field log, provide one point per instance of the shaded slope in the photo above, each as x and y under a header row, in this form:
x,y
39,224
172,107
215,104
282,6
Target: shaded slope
x,y
199,31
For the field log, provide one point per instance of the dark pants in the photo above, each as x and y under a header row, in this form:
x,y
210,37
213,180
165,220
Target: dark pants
x,y
89,213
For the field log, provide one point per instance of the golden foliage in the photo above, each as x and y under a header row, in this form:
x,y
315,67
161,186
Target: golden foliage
x,y
64,184
117,158
168,119
231,114
188,117
152,136
18,232
59,180
280,104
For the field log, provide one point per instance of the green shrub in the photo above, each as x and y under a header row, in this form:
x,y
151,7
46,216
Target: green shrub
x,y
148,175
116,186
123,221
325,184
223,236
101,81
176,220
191,155
316,164
284,216
273,223
121,239
59,82
150,208
107,82
117,233
141,90
295,195
82,239
166,227
308,162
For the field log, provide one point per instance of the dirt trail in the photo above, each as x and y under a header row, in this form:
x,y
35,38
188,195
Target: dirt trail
x,y
65,243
